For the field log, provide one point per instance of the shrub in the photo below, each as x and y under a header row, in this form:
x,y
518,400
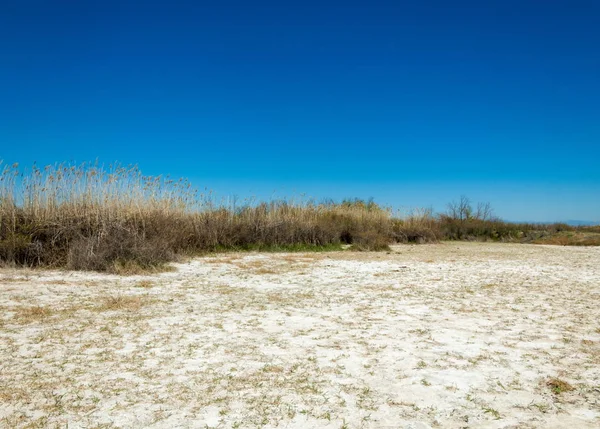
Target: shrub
x,y
419,226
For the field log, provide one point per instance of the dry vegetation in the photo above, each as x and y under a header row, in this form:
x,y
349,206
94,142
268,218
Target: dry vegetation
x,y
115,219
580,237
118,220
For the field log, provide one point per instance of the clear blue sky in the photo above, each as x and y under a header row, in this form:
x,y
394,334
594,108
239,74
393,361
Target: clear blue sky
x,y
410,102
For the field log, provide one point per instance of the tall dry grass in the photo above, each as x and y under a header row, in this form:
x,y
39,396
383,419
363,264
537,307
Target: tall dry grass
x,y
417,226
115,218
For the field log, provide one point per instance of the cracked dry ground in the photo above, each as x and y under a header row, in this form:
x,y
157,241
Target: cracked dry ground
x,y
454,335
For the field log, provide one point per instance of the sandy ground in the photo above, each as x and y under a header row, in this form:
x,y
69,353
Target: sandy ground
x,y
455,335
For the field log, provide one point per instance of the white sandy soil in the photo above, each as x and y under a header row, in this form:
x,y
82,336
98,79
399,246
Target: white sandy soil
x,y
454,335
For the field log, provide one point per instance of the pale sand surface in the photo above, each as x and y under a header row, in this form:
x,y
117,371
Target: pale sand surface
x,y
455,335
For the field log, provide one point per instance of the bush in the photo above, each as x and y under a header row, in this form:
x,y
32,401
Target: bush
x,y
370,240
419,226
115,248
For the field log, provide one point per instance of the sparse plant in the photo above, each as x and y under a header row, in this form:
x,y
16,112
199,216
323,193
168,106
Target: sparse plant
x,y
558,386
493,412
145,284
121,302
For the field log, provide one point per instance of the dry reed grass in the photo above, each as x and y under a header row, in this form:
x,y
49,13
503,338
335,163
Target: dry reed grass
x,y
115,219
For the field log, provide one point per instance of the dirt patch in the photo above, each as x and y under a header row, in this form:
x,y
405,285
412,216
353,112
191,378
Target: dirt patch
x,y
452,335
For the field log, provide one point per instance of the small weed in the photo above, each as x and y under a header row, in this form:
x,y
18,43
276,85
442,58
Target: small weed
x,y
543,408
121,302
557,386
493,412
144,284
326,416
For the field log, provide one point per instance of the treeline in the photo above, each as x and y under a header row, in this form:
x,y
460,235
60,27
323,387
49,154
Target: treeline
x,y
116,219
464,221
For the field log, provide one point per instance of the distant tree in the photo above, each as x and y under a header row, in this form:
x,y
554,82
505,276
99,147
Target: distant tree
x,y
463,211
484,212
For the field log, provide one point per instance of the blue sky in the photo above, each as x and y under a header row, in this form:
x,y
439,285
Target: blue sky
x,y
411,103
